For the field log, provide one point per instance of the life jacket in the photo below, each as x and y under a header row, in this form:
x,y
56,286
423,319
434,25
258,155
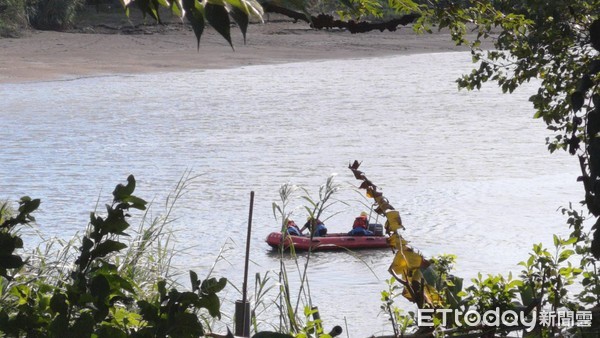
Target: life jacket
x,y
360,222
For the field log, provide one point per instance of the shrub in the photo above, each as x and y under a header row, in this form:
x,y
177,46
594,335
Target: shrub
x,y
12,18
52,14
95,296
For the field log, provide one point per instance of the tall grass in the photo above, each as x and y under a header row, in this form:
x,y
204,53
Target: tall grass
x,y
297,308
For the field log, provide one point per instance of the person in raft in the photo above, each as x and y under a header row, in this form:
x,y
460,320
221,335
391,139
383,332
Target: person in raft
x,y
293,229
320,229
361,226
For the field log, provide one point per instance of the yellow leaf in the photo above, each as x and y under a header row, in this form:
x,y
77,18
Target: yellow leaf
x,y
393,220
432,296
396,241
406,262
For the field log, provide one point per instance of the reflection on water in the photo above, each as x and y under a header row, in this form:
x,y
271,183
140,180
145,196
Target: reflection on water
x,y
469,171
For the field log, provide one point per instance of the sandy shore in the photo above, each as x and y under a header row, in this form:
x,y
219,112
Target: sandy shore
x,y
99,48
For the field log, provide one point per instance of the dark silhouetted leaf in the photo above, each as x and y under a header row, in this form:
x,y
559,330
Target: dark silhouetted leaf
x,y
28,205
595,34
269,334
364,185
59,326
194,15
574,145
136,202
7,243
585,83
596,100
100,287
194,280
161,286
212,304
188,325
11,262
58,303
596,244
124,191
148,7
148,311
357,174
593,123
594,67
84,326
211,285
218,18
107,247
115,222
594,160
187,299
354,165
241,18
577,100
111,331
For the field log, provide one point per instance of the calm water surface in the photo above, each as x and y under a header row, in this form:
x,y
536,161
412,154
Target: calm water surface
x,y
469,172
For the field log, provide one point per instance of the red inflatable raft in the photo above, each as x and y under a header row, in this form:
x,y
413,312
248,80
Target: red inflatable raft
x,y
329,242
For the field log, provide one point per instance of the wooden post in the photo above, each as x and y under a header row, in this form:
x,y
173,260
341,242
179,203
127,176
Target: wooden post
x,y
242,308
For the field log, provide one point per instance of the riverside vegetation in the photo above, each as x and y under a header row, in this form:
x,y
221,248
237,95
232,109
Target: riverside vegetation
x,y
108,287
555,42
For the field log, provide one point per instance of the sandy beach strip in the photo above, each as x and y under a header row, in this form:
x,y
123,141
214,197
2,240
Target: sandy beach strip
x,y
97,51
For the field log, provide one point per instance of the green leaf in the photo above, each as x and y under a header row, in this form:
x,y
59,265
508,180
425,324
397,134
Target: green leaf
x,y
571,241
565,254
513,284
250,7
218,18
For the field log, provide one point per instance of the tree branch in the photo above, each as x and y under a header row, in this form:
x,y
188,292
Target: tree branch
x,y
325,21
